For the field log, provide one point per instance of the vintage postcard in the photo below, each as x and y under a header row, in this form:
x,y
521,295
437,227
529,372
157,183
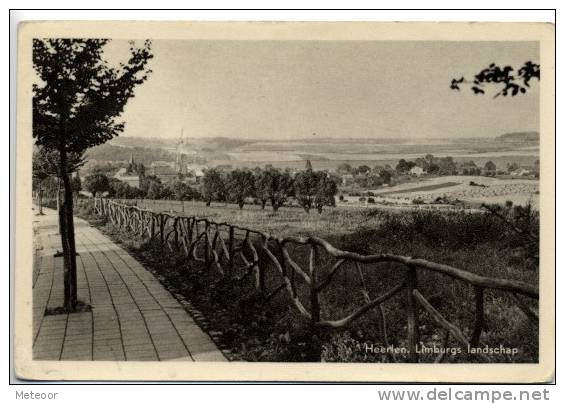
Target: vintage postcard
x,y
292,201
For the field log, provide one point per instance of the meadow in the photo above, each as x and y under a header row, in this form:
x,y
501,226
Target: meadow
x,y
474,190
327,153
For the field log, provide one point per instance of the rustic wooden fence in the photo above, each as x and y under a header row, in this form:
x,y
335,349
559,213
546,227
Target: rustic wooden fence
x,y
234,251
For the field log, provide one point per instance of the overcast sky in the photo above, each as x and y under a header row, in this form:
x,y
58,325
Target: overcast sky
x,y
291,89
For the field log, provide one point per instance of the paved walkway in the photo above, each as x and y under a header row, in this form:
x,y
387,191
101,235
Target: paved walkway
x,y
133,317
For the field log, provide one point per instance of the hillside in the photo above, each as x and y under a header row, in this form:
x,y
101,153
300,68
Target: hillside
x,y
519,137
193,144
145,155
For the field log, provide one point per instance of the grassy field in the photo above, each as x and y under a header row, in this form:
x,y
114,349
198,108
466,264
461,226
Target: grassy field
x,y
287,221
329,153
255,331
490,190
423,188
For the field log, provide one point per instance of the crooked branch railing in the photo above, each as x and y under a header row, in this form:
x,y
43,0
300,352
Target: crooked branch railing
x,y
234,251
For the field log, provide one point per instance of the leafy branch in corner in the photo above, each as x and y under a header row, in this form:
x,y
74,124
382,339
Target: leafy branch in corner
x,y
513,82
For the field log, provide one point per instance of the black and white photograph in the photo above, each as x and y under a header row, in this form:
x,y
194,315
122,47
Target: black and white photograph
x,y
266,199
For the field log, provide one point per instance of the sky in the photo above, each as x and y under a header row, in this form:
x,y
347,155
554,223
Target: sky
x,y
293,89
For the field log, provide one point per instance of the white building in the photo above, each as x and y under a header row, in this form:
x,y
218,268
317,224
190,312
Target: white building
x,y
521,172
417,171
131,179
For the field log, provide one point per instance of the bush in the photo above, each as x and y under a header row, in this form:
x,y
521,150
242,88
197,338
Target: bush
x,y
370,200
50,203
85,208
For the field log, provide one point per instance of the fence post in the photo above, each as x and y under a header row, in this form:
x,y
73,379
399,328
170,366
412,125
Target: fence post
x,y
162,229
412,325
206,246
152,233
316,342
190,227
260,272
479,316
314,302
175,227
231,248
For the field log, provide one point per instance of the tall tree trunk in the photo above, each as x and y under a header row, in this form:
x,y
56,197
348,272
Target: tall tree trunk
x,y
58,197
67,230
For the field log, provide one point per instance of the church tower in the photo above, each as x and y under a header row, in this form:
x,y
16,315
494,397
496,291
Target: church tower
x,y
131,164
180,165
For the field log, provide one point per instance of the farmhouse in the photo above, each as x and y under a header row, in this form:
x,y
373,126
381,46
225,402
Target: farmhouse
x,y
129,175
347,179
164,170
130,178
521,172
417,171
194,174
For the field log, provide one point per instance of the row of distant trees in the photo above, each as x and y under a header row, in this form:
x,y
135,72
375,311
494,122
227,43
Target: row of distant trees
x,y
368,177
311,189
429,163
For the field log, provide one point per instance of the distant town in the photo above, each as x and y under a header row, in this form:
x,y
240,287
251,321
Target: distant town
x,y
179,169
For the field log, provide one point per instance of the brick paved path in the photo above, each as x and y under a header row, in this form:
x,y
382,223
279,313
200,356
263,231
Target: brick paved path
x,y
133,316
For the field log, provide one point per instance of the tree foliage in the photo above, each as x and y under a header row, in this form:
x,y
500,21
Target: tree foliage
x,y
314,189
490,166
281,187
404,166
213,186
272,185
326,189
122,190
183,192
46,161
263,184
386,175
97,183
80,96
239,185
510,81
